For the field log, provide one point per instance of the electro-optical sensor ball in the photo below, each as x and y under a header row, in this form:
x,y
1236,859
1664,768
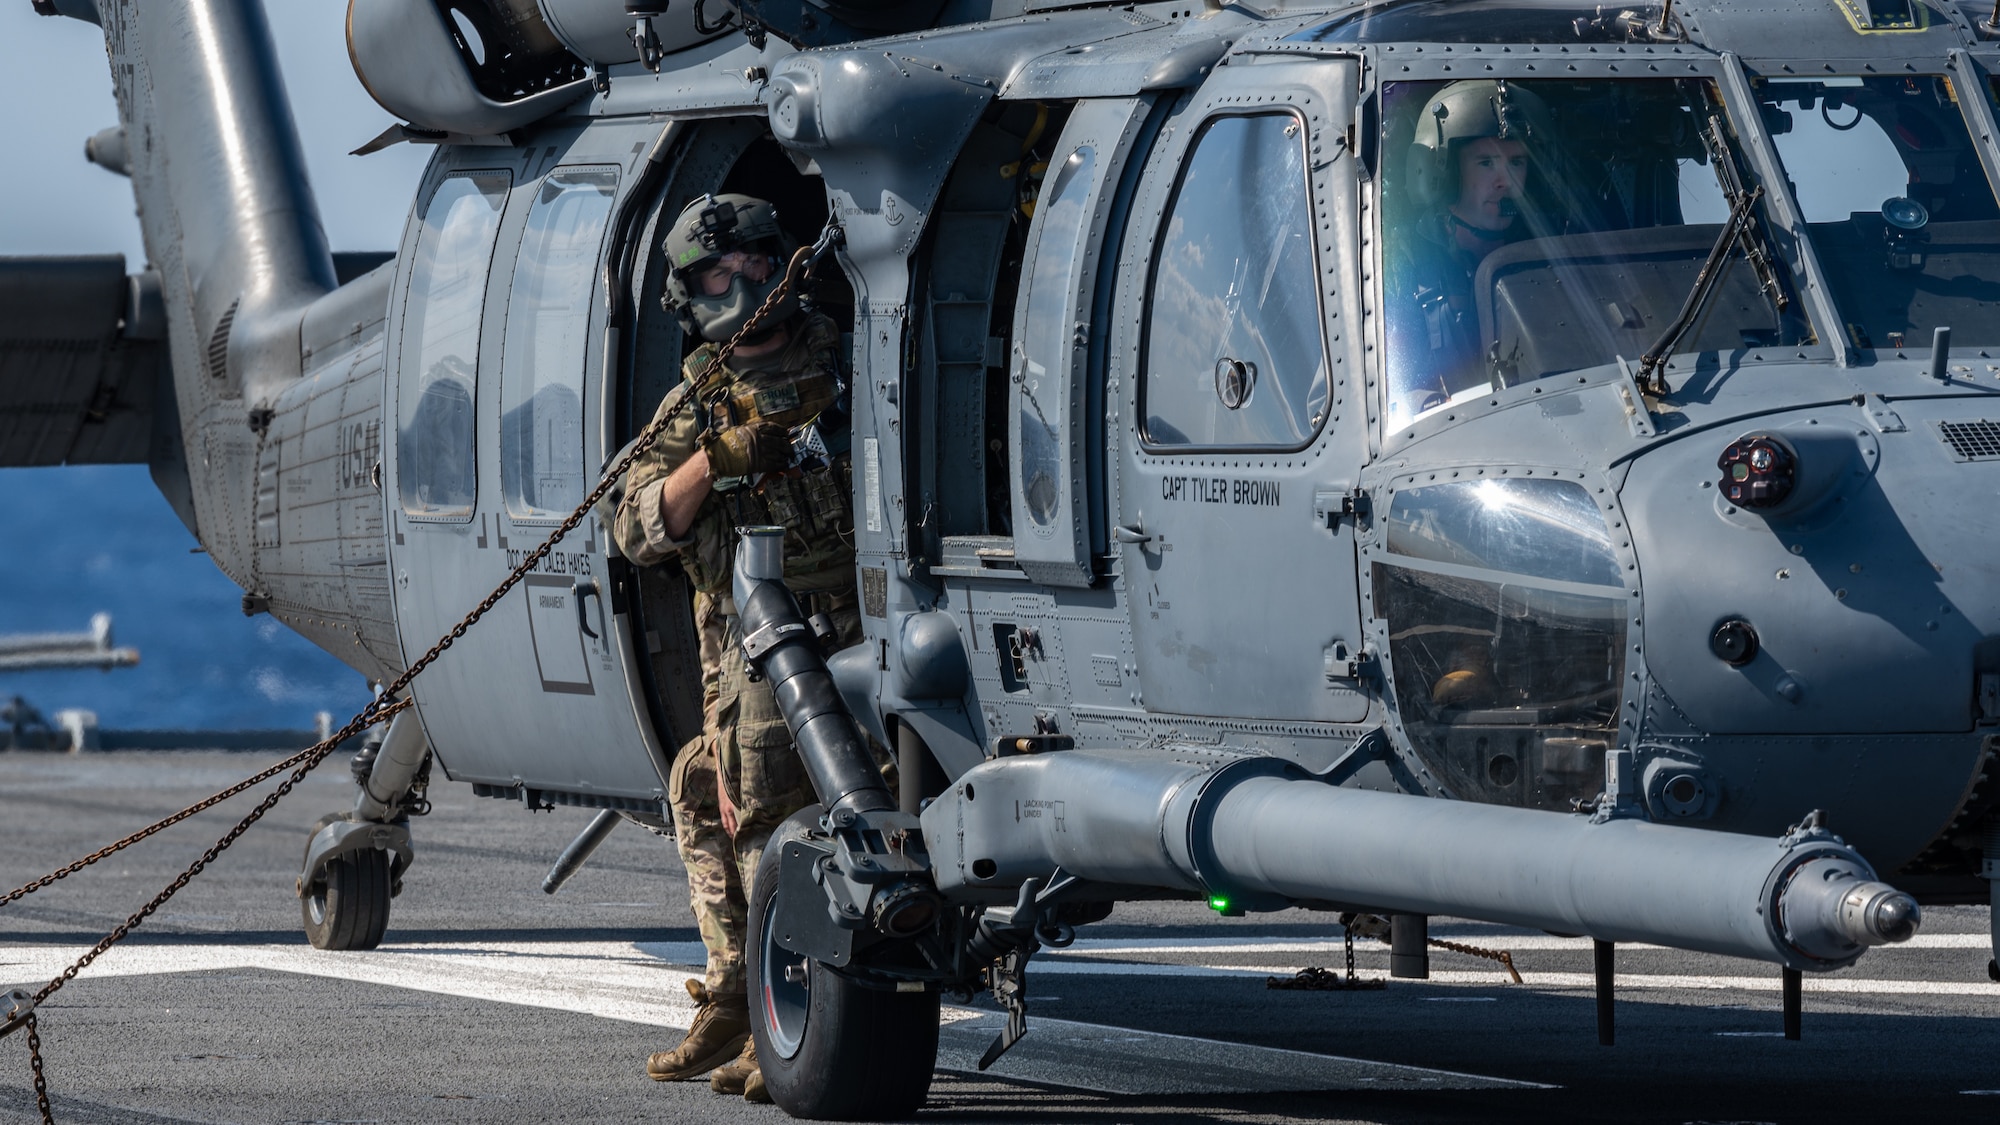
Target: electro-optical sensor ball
x,y
1758,471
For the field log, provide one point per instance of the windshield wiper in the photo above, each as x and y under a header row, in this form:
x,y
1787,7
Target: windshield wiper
x,y
1742,229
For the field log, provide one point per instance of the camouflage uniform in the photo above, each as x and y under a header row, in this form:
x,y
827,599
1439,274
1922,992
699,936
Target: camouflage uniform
x,y
745,748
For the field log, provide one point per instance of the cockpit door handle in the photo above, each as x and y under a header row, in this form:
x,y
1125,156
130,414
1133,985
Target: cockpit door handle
x,y
1133,534
581,589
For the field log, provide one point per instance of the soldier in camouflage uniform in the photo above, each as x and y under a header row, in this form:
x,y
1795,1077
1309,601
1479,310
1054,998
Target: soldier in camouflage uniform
x,y
730,460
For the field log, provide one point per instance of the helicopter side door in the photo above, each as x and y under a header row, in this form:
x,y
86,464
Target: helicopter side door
x,y
496,388
1236,406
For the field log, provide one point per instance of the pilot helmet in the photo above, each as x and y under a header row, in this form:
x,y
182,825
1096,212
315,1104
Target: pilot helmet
x,y
1468,111
707,229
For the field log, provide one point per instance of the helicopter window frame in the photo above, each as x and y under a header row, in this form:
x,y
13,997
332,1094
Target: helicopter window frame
x,y
524,326
1323,382
413,391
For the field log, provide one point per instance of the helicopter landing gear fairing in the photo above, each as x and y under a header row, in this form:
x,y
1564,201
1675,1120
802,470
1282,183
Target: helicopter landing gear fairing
x,y
355,861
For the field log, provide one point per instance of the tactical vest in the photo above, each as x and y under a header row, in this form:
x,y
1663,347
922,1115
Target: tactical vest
x,y
813,503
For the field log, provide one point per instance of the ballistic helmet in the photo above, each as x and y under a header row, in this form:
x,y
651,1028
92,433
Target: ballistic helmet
x,y
1468,111
708,228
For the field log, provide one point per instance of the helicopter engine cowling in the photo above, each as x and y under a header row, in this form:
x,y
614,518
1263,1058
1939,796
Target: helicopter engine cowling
x,y
1258,832
466,67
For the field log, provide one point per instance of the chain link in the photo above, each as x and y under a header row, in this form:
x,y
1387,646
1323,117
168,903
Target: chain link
x,y
1503,956
387,703
35,1064
1315,978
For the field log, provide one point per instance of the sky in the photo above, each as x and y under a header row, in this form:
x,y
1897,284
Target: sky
x,y
54,79
102,537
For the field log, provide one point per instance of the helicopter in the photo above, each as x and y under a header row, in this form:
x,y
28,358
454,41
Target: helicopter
x,y
1205,548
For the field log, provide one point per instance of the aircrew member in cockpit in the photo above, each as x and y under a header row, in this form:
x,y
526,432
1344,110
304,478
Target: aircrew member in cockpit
x,y
1468,167
728,460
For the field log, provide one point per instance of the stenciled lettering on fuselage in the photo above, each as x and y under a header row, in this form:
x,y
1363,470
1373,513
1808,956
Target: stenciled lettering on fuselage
x,y
357,450
1247,492
556,562
1033,810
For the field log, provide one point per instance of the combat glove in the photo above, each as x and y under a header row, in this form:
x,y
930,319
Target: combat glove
x,y
755,447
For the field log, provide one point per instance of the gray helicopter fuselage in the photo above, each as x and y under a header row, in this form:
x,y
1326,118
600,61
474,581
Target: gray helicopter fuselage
x,y
1043,556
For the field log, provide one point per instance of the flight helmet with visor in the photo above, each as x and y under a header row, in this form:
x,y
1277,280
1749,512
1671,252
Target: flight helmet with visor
x,y
725,255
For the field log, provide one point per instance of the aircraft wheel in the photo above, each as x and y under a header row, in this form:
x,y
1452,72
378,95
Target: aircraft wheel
x,y
350,910
831,1049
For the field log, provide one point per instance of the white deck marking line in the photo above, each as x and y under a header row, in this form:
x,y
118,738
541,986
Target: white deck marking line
x,y
1819,984
641,984
1513,943
616,967
611,980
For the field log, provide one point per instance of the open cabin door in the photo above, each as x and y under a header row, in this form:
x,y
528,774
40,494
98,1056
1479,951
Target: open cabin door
x,y
1238,418
497,362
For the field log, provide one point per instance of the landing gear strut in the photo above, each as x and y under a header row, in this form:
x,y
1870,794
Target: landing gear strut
x,y
355,861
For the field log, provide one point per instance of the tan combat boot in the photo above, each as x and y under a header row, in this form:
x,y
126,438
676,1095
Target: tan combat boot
x,y
721,1026
753,1089
730,1076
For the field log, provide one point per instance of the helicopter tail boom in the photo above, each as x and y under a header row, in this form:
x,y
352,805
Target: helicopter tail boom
x,y
227,214
1255,832
231,229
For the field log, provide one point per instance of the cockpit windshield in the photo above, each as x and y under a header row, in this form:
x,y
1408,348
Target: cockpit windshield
x,y
1534,227
1895,202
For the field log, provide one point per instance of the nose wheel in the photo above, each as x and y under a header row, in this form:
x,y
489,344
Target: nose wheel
x,y
830,1047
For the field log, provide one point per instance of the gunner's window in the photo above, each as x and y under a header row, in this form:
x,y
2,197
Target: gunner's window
x,y
434,433
1535,227
1234,355
548,321
1895,201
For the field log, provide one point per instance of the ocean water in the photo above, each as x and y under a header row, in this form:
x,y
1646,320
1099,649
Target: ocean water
x,y
100,538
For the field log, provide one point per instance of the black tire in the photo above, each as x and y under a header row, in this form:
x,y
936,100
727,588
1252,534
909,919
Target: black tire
x,y
350,910
830,1049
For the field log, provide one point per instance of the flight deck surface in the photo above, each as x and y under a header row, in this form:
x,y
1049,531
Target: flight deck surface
x,y
493,1002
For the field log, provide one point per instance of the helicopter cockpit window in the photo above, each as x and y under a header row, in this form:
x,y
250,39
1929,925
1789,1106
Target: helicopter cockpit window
x,y
1537,227
1506,616
1896,203
434,433
1234,355
548,318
